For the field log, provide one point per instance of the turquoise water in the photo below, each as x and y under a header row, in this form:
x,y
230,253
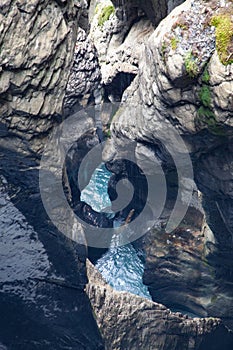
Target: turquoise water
x,y
95,194
121,267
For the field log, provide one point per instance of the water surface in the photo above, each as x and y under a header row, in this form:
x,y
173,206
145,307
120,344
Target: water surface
x,y
121,267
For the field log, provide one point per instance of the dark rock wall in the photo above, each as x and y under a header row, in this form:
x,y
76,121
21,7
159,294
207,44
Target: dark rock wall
x,y
85,75
43,306
155,10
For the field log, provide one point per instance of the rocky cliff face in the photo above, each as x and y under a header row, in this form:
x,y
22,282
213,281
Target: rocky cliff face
x,y
42,272
184,80
155,10
119,36
85,78
35,289
187,81
36,54
179,73
128,322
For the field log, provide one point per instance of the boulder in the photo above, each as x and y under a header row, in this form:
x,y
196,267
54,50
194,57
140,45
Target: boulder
x,y
130,322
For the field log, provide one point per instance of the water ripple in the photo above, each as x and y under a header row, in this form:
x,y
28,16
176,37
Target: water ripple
x,y
121,266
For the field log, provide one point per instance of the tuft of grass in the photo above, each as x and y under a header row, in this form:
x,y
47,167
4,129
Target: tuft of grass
x,y
207,118
206,76
214,299
107,133
96,9
191,65
207,114
181,23
105,15
174,43
183,26
224,37
205,96
163,51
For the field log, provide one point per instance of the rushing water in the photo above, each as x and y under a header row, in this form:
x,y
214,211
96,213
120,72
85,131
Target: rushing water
x,y
121,267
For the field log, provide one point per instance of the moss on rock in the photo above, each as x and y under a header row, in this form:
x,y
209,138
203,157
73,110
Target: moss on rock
x,y
174,42
105,14
191,65
206,76
205,114
224,36
205,95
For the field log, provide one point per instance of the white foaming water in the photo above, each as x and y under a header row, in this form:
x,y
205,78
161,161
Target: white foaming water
x,y
122,266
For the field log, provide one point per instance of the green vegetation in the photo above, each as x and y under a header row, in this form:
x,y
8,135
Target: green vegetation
x,y
105,14
191,65
207,115
96,9
181,23
206,76
174,43
205,95
214,298
163,50
183,26
224,37
207,118
107,134
107,131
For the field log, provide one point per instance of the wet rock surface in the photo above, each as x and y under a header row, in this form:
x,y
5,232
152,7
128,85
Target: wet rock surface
x,y
43,275
43,303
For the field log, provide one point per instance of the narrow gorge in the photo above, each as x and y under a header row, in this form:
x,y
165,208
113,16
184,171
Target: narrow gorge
x,y
116,174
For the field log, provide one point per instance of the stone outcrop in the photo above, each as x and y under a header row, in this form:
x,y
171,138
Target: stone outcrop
x,y
177,271
118,30
119,40
85,75
37,44
183,83
183,72
155,10
131,322
176,74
